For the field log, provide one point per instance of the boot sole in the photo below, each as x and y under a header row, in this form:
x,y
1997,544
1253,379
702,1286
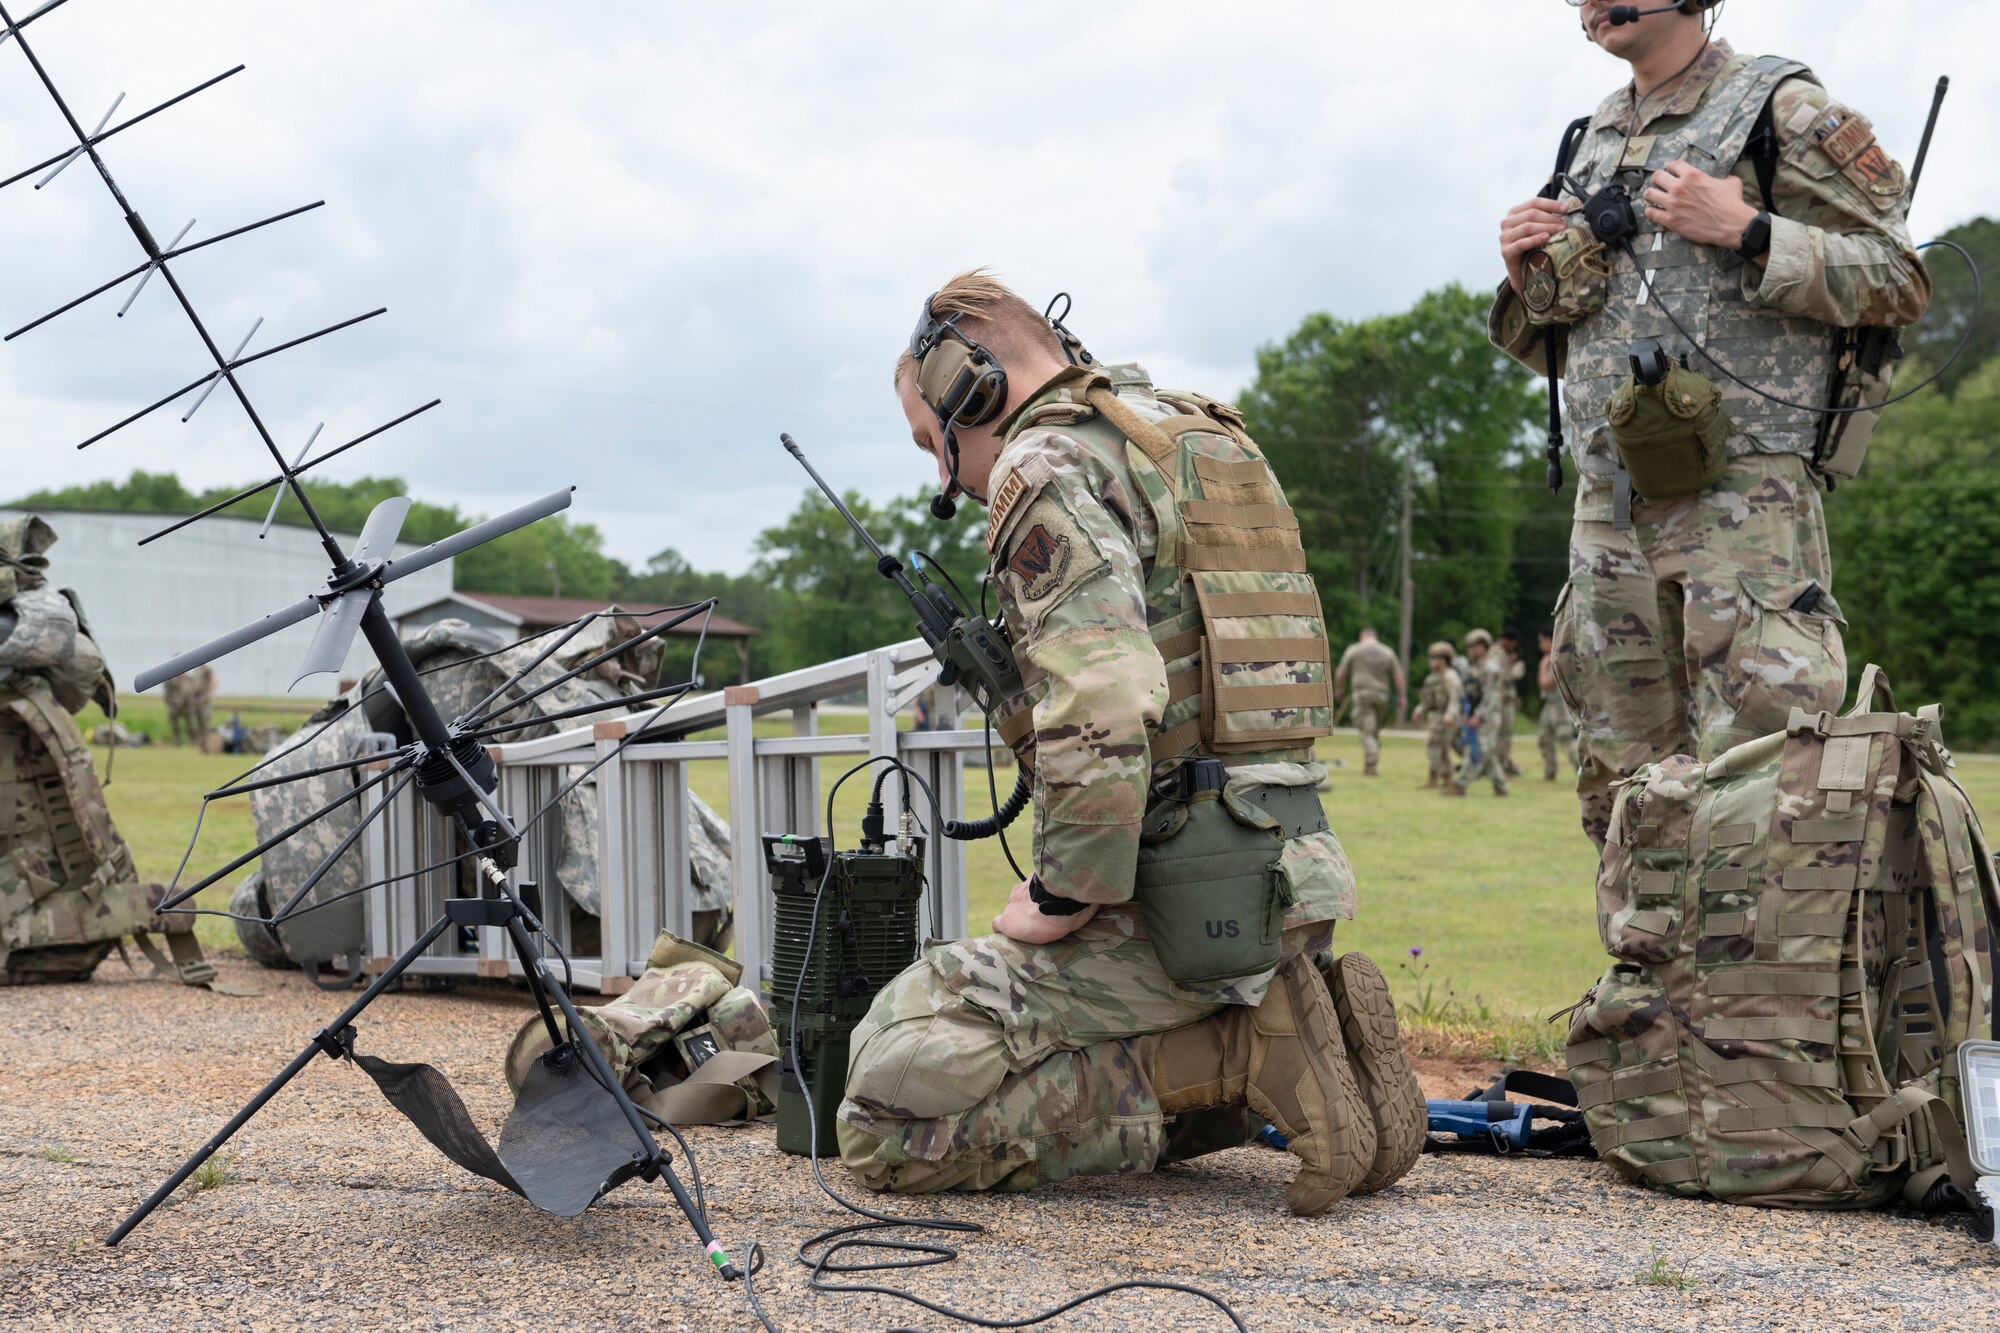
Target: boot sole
x,y
1349,1149
1381,1068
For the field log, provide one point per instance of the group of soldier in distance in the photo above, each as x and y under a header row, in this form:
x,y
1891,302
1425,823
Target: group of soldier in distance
x,y
1151,576
1468,704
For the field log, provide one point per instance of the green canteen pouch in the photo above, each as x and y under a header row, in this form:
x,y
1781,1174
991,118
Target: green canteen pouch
x,y
1566,280
1211,887
1670,435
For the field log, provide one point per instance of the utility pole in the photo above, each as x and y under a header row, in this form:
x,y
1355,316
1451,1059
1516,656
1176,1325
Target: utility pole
x,y
1409,583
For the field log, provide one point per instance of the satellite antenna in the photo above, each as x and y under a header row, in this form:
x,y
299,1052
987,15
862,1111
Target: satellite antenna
x,y
574,1134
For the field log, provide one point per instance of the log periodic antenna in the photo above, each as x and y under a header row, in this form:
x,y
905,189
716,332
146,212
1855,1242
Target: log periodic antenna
x,y
354,579
448,763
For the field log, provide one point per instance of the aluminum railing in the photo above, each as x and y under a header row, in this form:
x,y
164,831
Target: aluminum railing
x,y
641,824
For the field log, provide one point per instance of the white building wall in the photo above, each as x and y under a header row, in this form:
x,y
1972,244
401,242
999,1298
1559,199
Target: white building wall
x,y
146,604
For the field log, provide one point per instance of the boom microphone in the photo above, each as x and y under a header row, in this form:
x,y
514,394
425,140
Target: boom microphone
x,y
1623,14
943,507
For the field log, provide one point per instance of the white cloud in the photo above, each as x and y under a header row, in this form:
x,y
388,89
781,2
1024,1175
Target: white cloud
x,y
630,242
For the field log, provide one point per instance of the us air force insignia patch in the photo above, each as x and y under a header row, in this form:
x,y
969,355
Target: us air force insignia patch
x,y
1040,562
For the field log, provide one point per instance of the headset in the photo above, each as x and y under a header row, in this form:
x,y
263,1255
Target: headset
x,y
1623,14
964,385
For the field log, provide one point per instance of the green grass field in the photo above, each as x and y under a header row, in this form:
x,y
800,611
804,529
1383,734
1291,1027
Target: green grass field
x,y
1496,893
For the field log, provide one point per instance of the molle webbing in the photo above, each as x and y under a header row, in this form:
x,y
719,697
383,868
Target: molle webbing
x,y
1811,954
1262,683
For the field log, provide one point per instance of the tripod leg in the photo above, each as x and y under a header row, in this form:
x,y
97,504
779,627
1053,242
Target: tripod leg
x,y
537,970
286,1075
539,987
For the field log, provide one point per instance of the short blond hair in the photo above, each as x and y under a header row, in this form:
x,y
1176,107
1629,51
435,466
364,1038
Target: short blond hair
x,y
994,316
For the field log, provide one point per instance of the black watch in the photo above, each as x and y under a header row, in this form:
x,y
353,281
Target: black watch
x,y
1051,904
1756,237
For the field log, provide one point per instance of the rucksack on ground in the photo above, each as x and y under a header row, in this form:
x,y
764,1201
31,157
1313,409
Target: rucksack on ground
x,y
1800,930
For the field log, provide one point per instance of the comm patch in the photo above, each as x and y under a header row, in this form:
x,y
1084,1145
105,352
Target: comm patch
x,y
1010,492
1844,136
1040,562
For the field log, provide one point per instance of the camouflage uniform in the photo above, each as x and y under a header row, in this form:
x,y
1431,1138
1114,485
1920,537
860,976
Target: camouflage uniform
x,y
188,697
1443,696
995,1064
1375,673
1490,672
1702,623
1557,733
68,889
1510,707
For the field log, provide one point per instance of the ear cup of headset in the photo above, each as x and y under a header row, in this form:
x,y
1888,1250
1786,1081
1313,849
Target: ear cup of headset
x,y
962,382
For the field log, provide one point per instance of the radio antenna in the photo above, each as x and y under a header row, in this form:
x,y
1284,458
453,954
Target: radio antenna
x,y
573,1141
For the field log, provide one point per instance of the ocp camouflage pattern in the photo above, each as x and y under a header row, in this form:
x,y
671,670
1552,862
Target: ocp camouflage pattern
x,y
1770,1031
992,1064
1840,256
1749,629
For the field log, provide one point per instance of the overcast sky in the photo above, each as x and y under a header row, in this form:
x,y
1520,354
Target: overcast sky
x,y
629,242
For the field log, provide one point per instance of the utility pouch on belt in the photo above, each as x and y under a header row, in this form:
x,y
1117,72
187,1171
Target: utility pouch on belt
x,y
1209,879
1566,280
1669,426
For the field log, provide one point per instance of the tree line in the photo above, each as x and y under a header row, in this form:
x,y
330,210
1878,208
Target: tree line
x,y
1339,405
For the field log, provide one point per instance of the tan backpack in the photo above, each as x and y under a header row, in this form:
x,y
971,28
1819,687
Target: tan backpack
x,y
1801,936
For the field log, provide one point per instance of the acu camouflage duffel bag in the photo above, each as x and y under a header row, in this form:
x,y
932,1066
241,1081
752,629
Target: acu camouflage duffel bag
x,y
1801,936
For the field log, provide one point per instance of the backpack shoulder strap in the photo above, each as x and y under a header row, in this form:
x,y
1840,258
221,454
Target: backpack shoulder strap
x,y
1762,150
1565,154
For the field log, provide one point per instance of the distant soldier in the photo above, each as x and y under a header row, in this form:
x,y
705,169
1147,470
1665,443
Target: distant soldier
x,y
1558,729
1512,672
1373,668
69,893
188,696
1439,705
1488,677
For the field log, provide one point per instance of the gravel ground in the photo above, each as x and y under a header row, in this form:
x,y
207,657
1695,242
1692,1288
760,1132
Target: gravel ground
x,y
336,1213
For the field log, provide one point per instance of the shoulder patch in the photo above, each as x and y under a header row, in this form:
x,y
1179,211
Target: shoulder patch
x,y
1010,493
1041,561
1843,135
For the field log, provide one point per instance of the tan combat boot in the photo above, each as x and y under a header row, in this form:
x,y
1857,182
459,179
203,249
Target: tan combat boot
x,y
1429,782
1381,1067
1285,1059
1451,788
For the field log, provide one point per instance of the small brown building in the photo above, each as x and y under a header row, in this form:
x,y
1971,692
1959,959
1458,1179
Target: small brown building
x,y
522,616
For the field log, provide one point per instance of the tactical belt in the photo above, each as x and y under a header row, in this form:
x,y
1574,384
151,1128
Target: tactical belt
x,y
1297,809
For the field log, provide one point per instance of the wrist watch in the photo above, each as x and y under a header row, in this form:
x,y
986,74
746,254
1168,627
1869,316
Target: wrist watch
x,y
1051,904
1756,237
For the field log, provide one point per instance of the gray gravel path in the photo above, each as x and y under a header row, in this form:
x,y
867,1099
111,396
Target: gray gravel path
x,y
336,1214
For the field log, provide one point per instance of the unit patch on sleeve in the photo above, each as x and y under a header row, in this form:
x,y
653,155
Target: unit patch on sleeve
x,y
1040,562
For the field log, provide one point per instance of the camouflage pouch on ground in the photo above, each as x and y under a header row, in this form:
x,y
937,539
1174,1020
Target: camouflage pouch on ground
x,y
1670,435
1800,928
689,1044
1566,280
